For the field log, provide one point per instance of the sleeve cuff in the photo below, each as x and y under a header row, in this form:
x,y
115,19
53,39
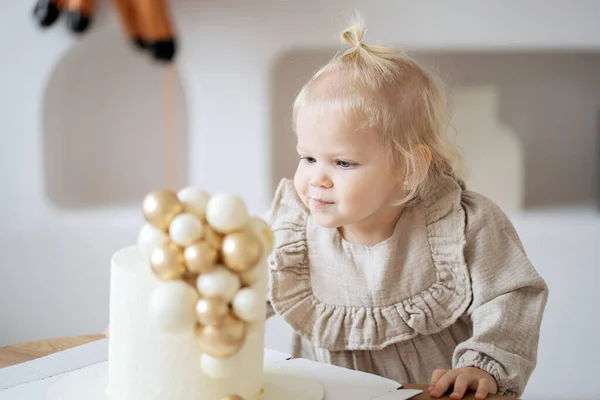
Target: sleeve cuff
x,y
482,361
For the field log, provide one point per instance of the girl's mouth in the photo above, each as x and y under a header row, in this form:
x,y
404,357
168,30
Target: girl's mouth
x,y
318,202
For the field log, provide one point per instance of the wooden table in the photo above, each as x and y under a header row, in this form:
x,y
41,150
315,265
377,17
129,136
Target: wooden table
x,y
23,352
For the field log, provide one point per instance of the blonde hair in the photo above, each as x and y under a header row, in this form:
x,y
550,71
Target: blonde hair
x,y
383,88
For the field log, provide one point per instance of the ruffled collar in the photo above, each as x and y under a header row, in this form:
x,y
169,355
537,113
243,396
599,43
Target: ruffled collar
x,y
343,296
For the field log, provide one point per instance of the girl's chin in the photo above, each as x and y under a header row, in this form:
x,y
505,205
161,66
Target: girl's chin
x,y
325,221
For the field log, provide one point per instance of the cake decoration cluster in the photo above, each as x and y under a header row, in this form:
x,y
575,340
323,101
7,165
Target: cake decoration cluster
x,y
208,253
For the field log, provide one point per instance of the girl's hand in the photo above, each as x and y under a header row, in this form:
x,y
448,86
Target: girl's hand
x,y
470,378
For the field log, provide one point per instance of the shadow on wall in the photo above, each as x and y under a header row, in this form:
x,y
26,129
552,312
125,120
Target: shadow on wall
x,y
549,100
103,125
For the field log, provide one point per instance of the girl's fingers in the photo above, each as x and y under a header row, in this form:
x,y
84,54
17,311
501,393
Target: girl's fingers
x,y
444,383
484,387
436,375
462,383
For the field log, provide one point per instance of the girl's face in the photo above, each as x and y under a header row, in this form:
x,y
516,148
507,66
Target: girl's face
x,y
343,177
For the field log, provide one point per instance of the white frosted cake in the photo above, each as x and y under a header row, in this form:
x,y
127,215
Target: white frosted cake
x,y
188,303
187,311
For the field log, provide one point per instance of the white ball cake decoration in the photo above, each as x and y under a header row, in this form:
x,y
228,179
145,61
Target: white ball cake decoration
x,y
226,213
206,251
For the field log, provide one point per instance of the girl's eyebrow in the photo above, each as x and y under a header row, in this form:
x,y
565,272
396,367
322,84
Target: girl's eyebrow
x,y
343,155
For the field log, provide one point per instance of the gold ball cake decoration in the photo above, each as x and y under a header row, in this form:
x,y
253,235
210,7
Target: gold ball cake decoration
x,y
213,237
223,340
167,262
206,251
160,207
212,311
201,257
242,250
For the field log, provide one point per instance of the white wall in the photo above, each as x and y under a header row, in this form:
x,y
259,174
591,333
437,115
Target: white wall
x,y
550,100
54,259
103,103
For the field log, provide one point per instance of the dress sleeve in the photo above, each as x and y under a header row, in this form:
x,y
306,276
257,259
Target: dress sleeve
x,y
266,216
509,298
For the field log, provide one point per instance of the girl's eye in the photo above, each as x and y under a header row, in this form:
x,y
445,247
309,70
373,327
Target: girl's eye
x,y
309,160
345,164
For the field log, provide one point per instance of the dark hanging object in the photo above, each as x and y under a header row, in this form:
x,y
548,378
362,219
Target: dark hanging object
x,y
146,22
79,14
46,12
148,25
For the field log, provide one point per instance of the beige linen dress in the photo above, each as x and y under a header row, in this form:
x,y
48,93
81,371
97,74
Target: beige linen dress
x,y
452,287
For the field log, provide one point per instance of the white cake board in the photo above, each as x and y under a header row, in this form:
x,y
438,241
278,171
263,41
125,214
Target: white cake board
x,y
288,380
281,382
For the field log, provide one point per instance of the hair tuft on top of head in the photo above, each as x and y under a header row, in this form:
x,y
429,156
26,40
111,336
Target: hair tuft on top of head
x,y
353,35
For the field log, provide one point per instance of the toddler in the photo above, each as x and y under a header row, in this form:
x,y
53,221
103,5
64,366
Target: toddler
x,y
384,262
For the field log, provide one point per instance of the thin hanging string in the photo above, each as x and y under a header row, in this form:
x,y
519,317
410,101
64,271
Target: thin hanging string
x,y
170,130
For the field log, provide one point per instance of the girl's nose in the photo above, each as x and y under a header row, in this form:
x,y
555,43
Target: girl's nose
x,y
320,180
